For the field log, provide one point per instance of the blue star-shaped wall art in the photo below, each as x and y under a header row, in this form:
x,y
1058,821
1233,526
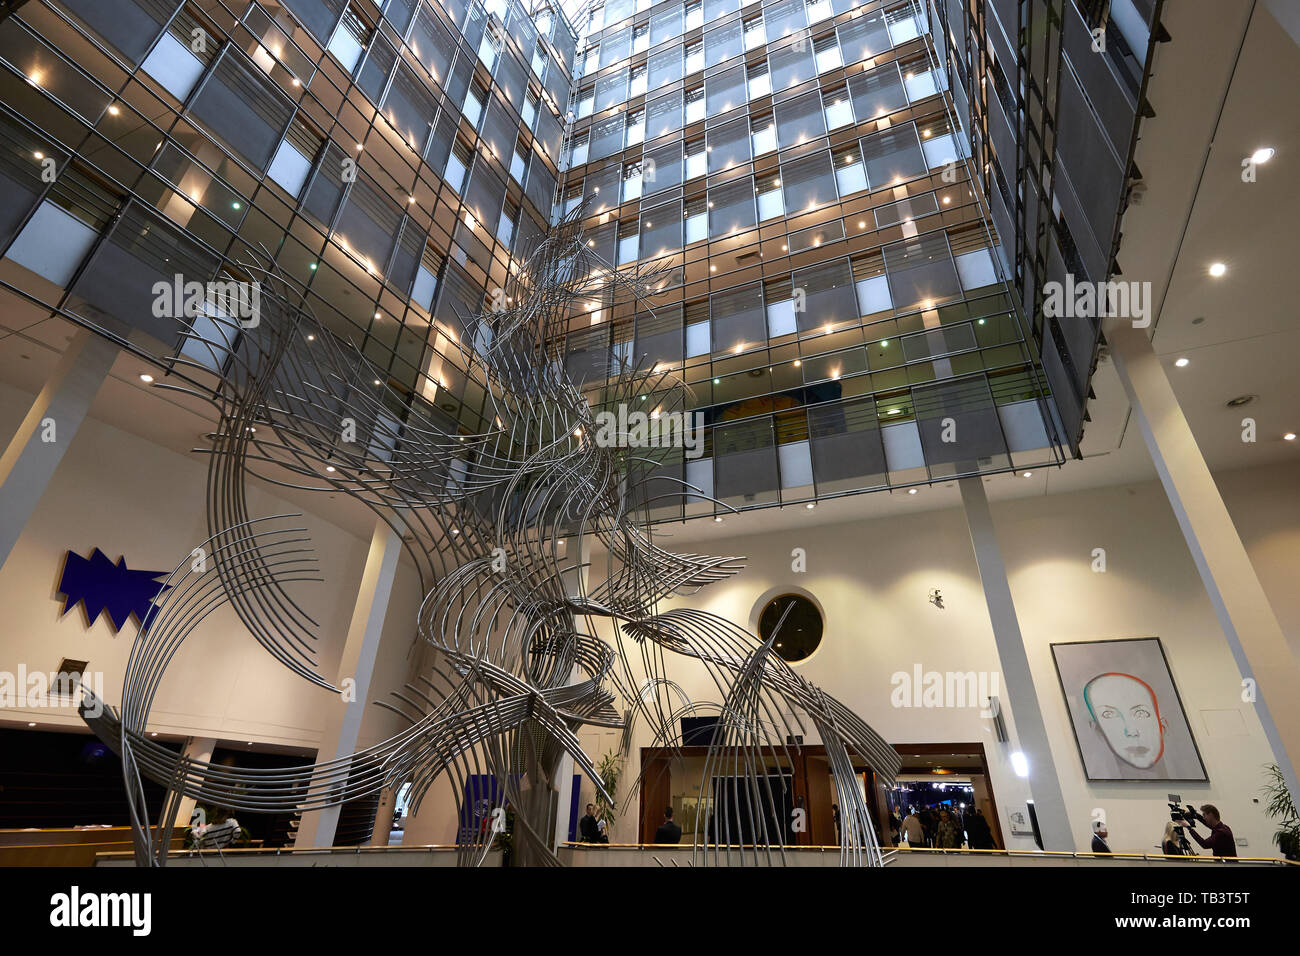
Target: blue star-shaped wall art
x,y
100,585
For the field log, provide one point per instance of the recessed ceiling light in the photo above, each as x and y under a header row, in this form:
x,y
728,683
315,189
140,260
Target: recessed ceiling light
x,y
311,338
1217,269
717,519
377,382
911,491
146,377
329,468
113,111
1289,436
1028,474
1183,362
811,505
1263,154
31,723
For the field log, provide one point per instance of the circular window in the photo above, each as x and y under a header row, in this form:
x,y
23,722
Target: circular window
x,y
800,632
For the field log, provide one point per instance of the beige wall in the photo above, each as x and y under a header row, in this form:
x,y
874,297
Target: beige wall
x,y
873,581
127,496
131,498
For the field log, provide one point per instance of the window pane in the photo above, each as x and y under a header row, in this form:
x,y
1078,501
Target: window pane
x,y
665,26
864,37
829,296
744,463
663,115
661,230
725,91
662,168
728,144
606,137
723,43
664,68
847,452
242,110
731,208
615,47
892,156
736,318
808,183
782,19
800,120
790,65
611,89
921,272
877,93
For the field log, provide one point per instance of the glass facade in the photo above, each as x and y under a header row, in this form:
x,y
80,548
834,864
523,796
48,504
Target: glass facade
x,y
838,317
837,301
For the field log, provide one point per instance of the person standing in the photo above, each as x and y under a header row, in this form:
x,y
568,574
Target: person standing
x,y
1099,834
947,836
913,832
1220,841
587,828
668,832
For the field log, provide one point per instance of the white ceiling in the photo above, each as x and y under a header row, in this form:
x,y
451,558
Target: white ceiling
x,y
1224,86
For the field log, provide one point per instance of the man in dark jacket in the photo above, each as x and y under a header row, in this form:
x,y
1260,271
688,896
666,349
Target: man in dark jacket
x,y
1099,834
668,831
1220,841
587,829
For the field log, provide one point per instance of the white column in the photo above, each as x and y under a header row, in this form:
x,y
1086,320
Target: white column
x,y
34,452
196,748
343,718
576,586
1257,642
1044,785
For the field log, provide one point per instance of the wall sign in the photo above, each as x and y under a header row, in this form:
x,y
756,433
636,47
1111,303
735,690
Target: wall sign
x,y
99,585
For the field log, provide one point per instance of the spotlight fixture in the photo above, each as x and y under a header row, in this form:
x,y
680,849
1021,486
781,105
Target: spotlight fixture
x,y
31,723
1217,269
329,468
1263,154
911,491
1028,474
1183,362
811,505
146,377
1289,436
113,111
936,598
717,519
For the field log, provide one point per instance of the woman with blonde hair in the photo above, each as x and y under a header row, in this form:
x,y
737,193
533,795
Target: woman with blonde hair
x,y
1169,843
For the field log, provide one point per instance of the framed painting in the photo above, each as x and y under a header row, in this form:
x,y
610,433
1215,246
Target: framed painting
x,y
1127,717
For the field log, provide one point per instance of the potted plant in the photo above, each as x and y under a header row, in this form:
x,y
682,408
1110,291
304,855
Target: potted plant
x,y
1282,808
610,769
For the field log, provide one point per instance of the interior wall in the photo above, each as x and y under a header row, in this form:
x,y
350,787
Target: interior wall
x,y
873,581
132,498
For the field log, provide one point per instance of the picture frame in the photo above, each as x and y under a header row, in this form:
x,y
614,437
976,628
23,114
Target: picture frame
x,y
1125,711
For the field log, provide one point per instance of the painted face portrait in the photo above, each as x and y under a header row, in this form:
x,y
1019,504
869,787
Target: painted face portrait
x,y
1125,711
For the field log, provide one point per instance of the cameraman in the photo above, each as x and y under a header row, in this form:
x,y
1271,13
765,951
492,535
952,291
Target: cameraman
x,y
1220,841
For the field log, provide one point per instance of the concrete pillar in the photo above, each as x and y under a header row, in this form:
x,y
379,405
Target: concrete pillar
x,y
34,452
1254,636
343,721
575,579
383,817
196,748
1044,785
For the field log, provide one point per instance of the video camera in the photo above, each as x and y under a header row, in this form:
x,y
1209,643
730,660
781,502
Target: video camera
x,y
1187,814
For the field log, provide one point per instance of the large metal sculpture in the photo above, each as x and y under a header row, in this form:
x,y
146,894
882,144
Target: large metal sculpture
x,y
495,519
